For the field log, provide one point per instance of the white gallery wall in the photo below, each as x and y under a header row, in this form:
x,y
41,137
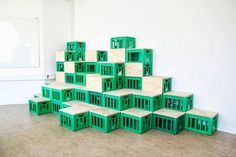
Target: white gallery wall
x,y
17,85
194,42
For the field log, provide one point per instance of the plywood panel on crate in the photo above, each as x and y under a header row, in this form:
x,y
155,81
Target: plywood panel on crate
x,y
60,56
120,92
116,55
39,99
153,83
169,113
136,112
180,94
91,56
69,67
134,69
147,93
60,77
104,111
202,113
74,110
94,82
81,105
59,85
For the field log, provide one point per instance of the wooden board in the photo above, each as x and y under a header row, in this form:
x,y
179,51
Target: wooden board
x,y
134,69
136,112
202,113
180,94
94,82
147,93
74,110
59,86
104,111
62,87
79,104
40,99
169,113
60,77
119,92
69,67
51,84
91,56
60,56
153,83
116,55
79,87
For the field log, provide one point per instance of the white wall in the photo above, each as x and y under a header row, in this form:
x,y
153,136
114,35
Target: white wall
x,y
57,18
195,42
55,29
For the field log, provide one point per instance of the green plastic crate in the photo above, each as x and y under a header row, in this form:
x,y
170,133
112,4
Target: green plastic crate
x,y
60,66
149,103
70,56
112,69
168,121
122,42
69,78
108,84
75,120
133,82
74,56
81,95
147,69
76,46
39,106
80,79
202,122
56,106
63,95
101,56
79,56
95,98
92,67
119,82
136,121
139,55
119,103
65,105
76,78
80,67
167,85
178,101
46,92
105,123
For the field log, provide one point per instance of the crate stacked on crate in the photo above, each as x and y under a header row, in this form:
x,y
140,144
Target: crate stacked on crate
x,y
108,90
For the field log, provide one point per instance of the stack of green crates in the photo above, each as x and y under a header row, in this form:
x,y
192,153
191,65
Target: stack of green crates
x,y
136,102
144,56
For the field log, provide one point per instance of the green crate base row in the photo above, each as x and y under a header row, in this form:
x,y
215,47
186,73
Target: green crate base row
x,y
119,99
75,115
116,89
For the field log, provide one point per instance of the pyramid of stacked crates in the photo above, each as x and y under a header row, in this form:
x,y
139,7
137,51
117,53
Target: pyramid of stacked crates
x,y
116,89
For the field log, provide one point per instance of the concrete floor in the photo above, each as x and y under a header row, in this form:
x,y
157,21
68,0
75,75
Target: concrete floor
x,y
23,135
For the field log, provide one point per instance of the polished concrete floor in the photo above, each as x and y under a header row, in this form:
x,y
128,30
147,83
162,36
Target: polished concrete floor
x,y
22,134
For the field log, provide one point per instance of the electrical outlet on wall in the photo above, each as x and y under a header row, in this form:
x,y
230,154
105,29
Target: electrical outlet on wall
x,y
51,76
